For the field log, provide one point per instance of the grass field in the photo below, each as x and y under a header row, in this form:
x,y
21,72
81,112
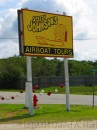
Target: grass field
x,y
10,113
81,90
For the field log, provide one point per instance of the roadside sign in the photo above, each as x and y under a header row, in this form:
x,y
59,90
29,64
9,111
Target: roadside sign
x,y
45,34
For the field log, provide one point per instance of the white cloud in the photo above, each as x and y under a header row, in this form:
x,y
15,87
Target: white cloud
x,y
9,49
91,55
75,7
85,50
8,24
42,5
2,2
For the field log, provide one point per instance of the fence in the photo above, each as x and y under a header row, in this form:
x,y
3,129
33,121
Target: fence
x,y
45,81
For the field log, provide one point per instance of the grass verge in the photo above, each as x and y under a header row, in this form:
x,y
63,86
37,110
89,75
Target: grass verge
x,y
11,113
80,90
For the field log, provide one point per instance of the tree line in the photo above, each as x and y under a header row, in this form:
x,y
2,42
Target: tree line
x,y
15,67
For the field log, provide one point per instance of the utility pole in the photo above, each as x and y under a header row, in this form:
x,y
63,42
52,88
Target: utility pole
x,y
66,81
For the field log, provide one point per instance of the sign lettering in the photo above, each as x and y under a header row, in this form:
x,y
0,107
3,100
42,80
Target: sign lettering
x,y
41,23
44,50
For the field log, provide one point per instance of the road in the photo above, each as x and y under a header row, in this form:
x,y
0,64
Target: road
x,y
19,98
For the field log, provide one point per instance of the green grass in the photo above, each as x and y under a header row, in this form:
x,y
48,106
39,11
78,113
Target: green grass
x,y
82,90
11,113
9,90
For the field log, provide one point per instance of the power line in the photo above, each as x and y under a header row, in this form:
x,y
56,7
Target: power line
x,y
73,39
85,39
8,38
84,14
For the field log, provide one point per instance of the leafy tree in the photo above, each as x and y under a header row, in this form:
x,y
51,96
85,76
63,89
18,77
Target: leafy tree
x,y
11,68
15,67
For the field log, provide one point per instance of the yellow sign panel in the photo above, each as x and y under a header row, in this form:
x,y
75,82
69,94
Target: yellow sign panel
x,y
47,34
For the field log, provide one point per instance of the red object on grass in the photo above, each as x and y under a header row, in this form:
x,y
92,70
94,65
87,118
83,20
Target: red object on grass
x,y
49,93
12,97
21,91
35,87
2,98
62,85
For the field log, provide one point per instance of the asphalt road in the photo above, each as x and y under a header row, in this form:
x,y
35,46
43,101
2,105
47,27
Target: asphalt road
x,y
19,98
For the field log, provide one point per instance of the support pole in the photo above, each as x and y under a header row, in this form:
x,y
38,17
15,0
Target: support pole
x,y
28,93
66,83
93,89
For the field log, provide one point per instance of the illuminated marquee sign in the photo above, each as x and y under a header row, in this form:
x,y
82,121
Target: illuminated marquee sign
x,y
45,34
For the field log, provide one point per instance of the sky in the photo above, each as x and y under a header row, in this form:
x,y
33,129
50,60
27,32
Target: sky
x,y
84,17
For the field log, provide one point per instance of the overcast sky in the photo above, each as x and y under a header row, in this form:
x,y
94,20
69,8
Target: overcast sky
x,y
84,24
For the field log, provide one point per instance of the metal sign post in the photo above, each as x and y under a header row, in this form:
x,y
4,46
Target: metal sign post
x,y
94,71
93,87
28,93
67,83
66,80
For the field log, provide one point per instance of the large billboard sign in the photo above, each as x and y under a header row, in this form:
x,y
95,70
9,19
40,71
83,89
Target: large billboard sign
x,y
45,34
